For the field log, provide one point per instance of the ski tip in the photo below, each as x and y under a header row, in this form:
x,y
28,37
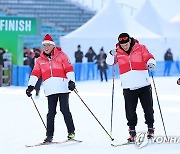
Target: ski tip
x,y
75,140
121,144
114,145
28,146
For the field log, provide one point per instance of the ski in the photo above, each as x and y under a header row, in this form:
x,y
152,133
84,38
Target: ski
x,y
148,140
121,144
52,143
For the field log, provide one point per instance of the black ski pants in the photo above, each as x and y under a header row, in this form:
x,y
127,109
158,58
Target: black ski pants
x,y
64,108
131,99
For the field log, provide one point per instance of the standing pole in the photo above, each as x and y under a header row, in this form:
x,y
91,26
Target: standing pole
x,y
38,112
75,90
159,105
114,68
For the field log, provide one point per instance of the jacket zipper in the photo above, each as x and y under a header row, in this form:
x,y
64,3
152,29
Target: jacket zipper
x,y
130,62
50,63
50,67
129,58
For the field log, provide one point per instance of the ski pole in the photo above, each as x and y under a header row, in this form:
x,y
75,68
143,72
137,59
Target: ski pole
x,y
114,67
158,104
75,90
38,112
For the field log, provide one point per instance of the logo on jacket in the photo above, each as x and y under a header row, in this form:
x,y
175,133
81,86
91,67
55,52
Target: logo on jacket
x,y
120,56
69,61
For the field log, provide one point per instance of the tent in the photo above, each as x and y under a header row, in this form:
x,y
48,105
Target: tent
x,y
102,31
176,19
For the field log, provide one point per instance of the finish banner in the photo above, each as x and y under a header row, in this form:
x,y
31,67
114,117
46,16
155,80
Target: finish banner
x,y
12,31
18,25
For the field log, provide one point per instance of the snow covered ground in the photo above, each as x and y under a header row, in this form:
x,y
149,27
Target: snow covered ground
x,y
20,123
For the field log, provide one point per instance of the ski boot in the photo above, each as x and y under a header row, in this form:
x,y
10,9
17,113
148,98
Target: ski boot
x,y
71,136
132,137
150,133
37,92
48,139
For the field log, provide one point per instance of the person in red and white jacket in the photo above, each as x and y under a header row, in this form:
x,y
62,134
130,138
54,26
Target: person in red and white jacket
x,y
134,60
58,78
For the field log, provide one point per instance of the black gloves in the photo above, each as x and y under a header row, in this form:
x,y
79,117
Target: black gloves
x,y
113,52
71,85
29,90
178,81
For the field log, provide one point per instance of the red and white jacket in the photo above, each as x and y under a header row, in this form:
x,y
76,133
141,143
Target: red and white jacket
x,y
133,67
56,72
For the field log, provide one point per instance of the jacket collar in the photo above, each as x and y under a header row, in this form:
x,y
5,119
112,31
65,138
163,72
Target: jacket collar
x,y
134,45
54,53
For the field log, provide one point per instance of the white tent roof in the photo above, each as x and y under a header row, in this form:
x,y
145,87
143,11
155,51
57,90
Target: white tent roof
x,y
110,22
176,19
103,30
149,18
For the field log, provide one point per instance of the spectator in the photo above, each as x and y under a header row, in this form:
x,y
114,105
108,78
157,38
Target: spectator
x,y
91,56
102,66
32,63
2,51
27,56
178,81
78,60
168,59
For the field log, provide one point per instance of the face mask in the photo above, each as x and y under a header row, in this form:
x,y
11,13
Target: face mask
x,y
37,55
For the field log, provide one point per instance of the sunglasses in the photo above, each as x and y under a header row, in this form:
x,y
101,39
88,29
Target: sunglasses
x,y
123,38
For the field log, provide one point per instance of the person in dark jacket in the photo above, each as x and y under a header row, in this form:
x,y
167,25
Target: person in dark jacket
x,y
27,56
78,55
168,59
2,51
178,81
32,63
91,57
101,62
78,63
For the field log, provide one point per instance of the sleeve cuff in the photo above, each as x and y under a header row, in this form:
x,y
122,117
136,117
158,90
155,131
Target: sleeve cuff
x,y
152,61
70,76
110,59
32,80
